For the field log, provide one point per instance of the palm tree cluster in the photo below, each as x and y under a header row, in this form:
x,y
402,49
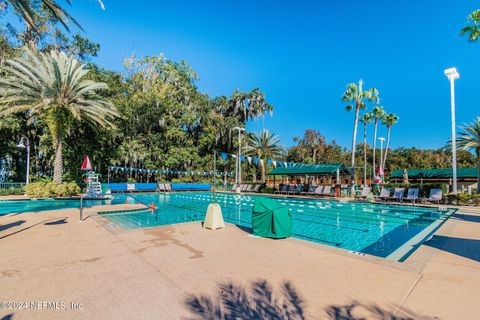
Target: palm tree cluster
x,y
358,99
53,87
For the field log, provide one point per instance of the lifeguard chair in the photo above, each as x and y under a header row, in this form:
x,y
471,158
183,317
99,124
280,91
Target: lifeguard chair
x,y
94,187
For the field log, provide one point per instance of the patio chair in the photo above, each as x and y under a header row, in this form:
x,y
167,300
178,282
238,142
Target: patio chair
x,y
168,187
398,194
291,188
436,195
283,188
384,194
311,190
412,194
318,191
257,188
248,188
327,191
161,187
365,192
299,189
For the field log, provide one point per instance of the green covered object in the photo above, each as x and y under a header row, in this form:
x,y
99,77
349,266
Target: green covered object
x,y
270,219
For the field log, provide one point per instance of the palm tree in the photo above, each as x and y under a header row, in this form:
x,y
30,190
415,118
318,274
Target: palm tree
x,y
357,97
265,146
469,139
248,105
473,30
388,121
365,119
29,12
53,86
378,115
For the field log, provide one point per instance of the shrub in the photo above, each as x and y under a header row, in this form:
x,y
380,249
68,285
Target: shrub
x,y
463,199
11,191
51,189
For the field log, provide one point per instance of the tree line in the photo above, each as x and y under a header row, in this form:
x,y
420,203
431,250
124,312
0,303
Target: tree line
x,y
152,114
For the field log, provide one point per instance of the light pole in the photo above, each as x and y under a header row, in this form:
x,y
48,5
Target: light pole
x,y
453,75
21,145
238,173
381,158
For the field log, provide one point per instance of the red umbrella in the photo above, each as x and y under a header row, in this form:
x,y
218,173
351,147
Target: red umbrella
x,y
86,164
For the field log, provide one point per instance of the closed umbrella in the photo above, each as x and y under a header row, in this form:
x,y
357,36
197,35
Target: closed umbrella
x,y
405,176
86,165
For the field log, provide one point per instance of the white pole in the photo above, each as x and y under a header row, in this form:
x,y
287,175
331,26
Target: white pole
x,y
454,138
453,75
28,161
381,157
239,155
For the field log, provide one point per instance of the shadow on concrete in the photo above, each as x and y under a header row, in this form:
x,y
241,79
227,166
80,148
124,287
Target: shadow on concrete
x,y
7,317
25,229
235,302
467,248
466,217
59,221
4,227
359,311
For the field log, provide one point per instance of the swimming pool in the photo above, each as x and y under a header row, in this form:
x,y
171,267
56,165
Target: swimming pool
x,y
383,230
374,229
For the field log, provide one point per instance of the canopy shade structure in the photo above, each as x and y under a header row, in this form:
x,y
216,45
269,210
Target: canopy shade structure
x,y
435,174
299,169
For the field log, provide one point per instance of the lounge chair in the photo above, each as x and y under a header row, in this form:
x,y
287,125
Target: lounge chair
x,y
292,188
412,194
257,188
398,194
327,191
248,188
311,190
299,189
365,193
283,188
384,194
161,187
168,187
436,195
318,191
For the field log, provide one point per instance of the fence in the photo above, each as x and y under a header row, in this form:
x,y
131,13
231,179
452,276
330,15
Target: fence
x,y
8,185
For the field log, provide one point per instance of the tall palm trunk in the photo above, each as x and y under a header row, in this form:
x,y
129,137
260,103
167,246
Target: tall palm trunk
x,y
386,149
263,170
365,154
58,164
375,145
354,142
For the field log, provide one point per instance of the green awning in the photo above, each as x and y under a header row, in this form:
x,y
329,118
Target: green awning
x,y
435,173
299,169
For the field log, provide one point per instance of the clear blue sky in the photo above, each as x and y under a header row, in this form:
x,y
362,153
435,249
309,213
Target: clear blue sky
x,y
302,54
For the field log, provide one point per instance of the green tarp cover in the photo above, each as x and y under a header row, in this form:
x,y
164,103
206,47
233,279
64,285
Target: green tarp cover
x,y
311,169
435,173
270,219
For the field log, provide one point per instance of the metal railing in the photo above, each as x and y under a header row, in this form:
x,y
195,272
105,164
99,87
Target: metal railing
x,y
8,185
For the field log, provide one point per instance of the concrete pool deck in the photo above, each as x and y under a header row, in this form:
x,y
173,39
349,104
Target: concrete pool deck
x,y
95,270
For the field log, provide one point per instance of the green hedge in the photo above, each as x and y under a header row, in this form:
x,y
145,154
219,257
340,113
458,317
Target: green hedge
x,y
51,189
463,199
11,192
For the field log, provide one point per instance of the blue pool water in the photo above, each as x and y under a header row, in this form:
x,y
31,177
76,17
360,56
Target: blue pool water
x,y
376,229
